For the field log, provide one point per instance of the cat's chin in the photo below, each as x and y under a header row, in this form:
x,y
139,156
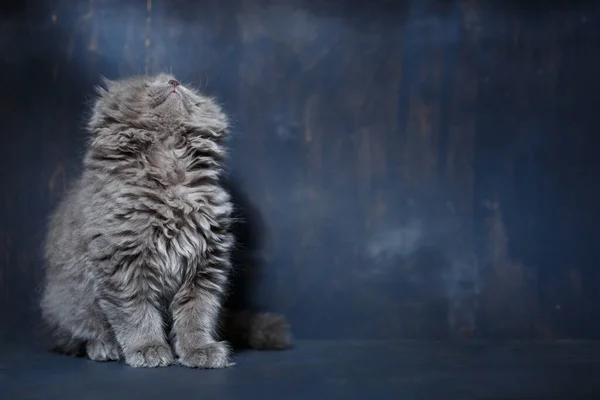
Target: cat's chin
x,y
168,96
173,97
172,105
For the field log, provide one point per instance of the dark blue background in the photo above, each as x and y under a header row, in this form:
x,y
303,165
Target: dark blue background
x,y
408,169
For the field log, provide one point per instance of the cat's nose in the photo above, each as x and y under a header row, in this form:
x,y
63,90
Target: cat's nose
x,y
174,83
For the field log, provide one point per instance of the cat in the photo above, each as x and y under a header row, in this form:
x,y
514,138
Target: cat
x,y
137,253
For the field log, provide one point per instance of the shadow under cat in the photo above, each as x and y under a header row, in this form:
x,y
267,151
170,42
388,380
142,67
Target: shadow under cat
x,y
241,301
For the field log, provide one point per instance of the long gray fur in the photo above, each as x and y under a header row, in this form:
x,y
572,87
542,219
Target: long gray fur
x,y
138,251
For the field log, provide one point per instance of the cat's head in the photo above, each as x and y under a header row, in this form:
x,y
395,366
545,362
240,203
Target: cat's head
x,y
144,101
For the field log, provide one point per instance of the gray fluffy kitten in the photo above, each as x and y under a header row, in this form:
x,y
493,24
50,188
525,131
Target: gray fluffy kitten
x,y
138,252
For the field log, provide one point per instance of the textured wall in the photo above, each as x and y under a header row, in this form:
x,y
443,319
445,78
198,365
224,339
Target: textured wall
x,y
405,169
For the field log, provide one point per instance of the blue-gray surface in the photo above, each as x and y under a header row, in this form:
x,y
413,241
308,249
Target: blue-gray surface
x,y
324,370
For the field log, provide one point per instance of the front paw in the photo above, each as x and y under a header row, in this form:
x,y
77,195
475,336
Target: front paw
x,y
212,355
150,356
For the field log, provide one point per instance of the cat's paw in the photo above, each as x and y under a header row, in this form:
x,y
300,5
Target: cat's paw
x,y
270,332
212,355
150,355
100,350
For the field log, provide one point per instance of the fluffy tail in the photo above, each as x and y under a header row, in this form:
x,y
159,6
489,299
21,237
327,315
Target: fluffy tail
x,y
261,331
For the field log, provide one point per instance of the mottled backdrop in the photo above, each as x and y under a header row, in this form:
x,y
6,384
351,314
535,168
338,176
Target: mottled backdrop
x,y
419,169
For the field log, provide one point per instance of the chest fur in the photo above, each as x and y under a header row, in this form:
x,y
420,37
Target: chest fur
x,y
188,205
